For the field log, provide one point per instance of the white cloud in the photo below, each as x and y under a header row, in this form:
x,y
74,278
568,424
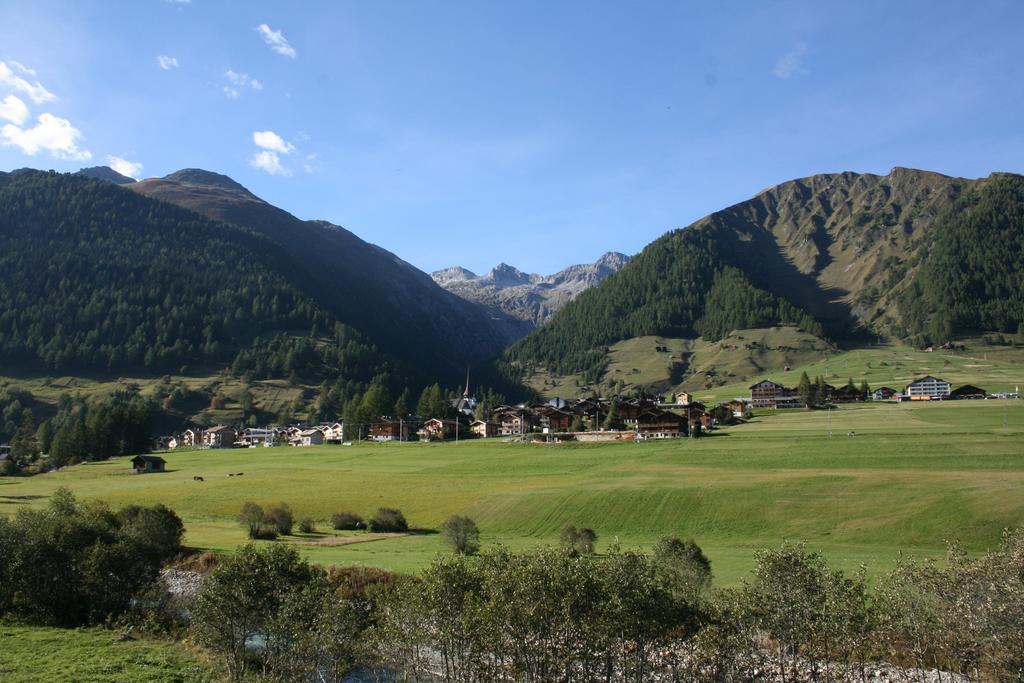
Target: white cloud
x,y
13,110
51,134
268,139
167,62
276,40
237,82
132,169
791,63
35,91
268,161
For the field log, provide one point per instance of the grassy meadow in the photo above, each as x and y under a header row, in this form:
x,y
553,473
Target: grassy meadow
x,y
29,654
913,477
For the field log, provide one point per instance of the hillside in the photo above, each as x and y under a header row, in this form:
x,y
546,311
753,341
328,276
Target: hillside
x,y
528,297
848,256
99,282
367,287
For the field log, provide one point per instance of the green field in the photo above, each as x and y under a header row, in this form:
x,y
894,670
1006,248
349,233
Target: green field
x,y
913,477
29,654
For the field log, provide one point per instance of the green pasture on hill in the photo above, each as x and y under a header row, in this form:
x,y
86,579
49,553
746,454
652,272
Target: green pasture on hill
x,y
912,477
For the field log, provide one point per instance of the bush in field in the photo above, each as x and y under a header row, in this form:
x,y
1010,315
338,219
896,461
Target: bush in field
x,y
387,520
77,563
307,525
346,521
578,541
684,566
280,517
251,519
462,534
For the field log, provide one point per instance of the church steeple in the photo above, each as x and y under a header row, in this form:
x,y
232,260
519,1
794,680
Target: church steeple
x,y
465,394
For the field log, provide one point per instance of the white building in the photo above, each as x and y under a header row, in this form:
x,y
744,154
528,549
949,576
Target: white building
x,y
927,387
307,437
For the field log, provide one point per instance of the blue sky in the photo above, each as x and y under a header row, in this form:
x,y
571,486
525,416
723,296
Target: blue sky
x,y
536,133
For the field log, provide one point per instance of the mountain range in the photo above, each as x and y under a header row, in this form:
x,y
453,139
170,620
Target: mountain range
x,y
528,297
911,255
103,274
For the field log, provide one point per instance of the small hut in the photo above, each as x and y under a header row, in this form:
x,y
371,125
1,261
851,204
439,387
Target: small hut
x,y
148,463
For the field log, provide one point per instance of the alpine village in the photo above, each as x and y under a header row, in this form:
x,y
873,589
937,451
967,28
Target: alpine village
x,y
511,342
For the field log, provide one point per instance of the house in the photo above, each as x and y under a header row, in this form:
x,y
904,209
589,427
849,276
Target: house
x,y
220,436
554,420
660,424
967,391
485,428
698,417
192,437
515,420
847,394
738,407
148,463
387,429
307,437
884,394
254,436
165,443
683,398
334,431
766,394
438,429
927,388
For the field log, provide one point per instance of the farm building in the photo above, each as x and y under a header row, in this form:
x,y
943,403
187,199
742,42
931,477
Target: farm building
x,y
967,391
148,463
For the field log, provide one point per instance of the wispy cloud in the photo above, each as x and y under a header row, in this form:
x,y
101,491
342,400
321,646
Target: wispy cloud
x,y
14,110
239,81
791,63
276,40
167,62
50,134
270,162
132,169
10,80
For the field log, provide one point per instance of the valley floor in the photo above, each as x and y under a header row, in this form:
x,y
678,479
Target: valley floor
x,y
913,477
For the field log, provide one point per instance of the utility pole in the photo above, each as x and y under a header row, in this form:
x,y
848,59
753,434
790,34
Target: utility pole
x,y
830,422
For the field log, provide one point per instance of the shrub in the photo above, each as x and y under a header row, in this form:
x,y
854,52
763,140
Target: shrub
x,y
346,521
578,541
266,532
684,566
251,518
387,520
71,564
307,525
462,534
280,517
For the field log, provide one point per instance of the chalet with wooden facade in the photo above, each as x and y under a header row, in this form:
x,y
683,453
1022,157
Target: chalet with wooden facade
x,y
437,429
485,428
967,392
388,429
220,436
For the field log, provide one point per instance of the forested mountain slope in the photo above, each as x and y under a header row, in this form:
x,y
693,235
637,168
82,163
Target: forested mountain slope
x,y
840,254
393,303
97,279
